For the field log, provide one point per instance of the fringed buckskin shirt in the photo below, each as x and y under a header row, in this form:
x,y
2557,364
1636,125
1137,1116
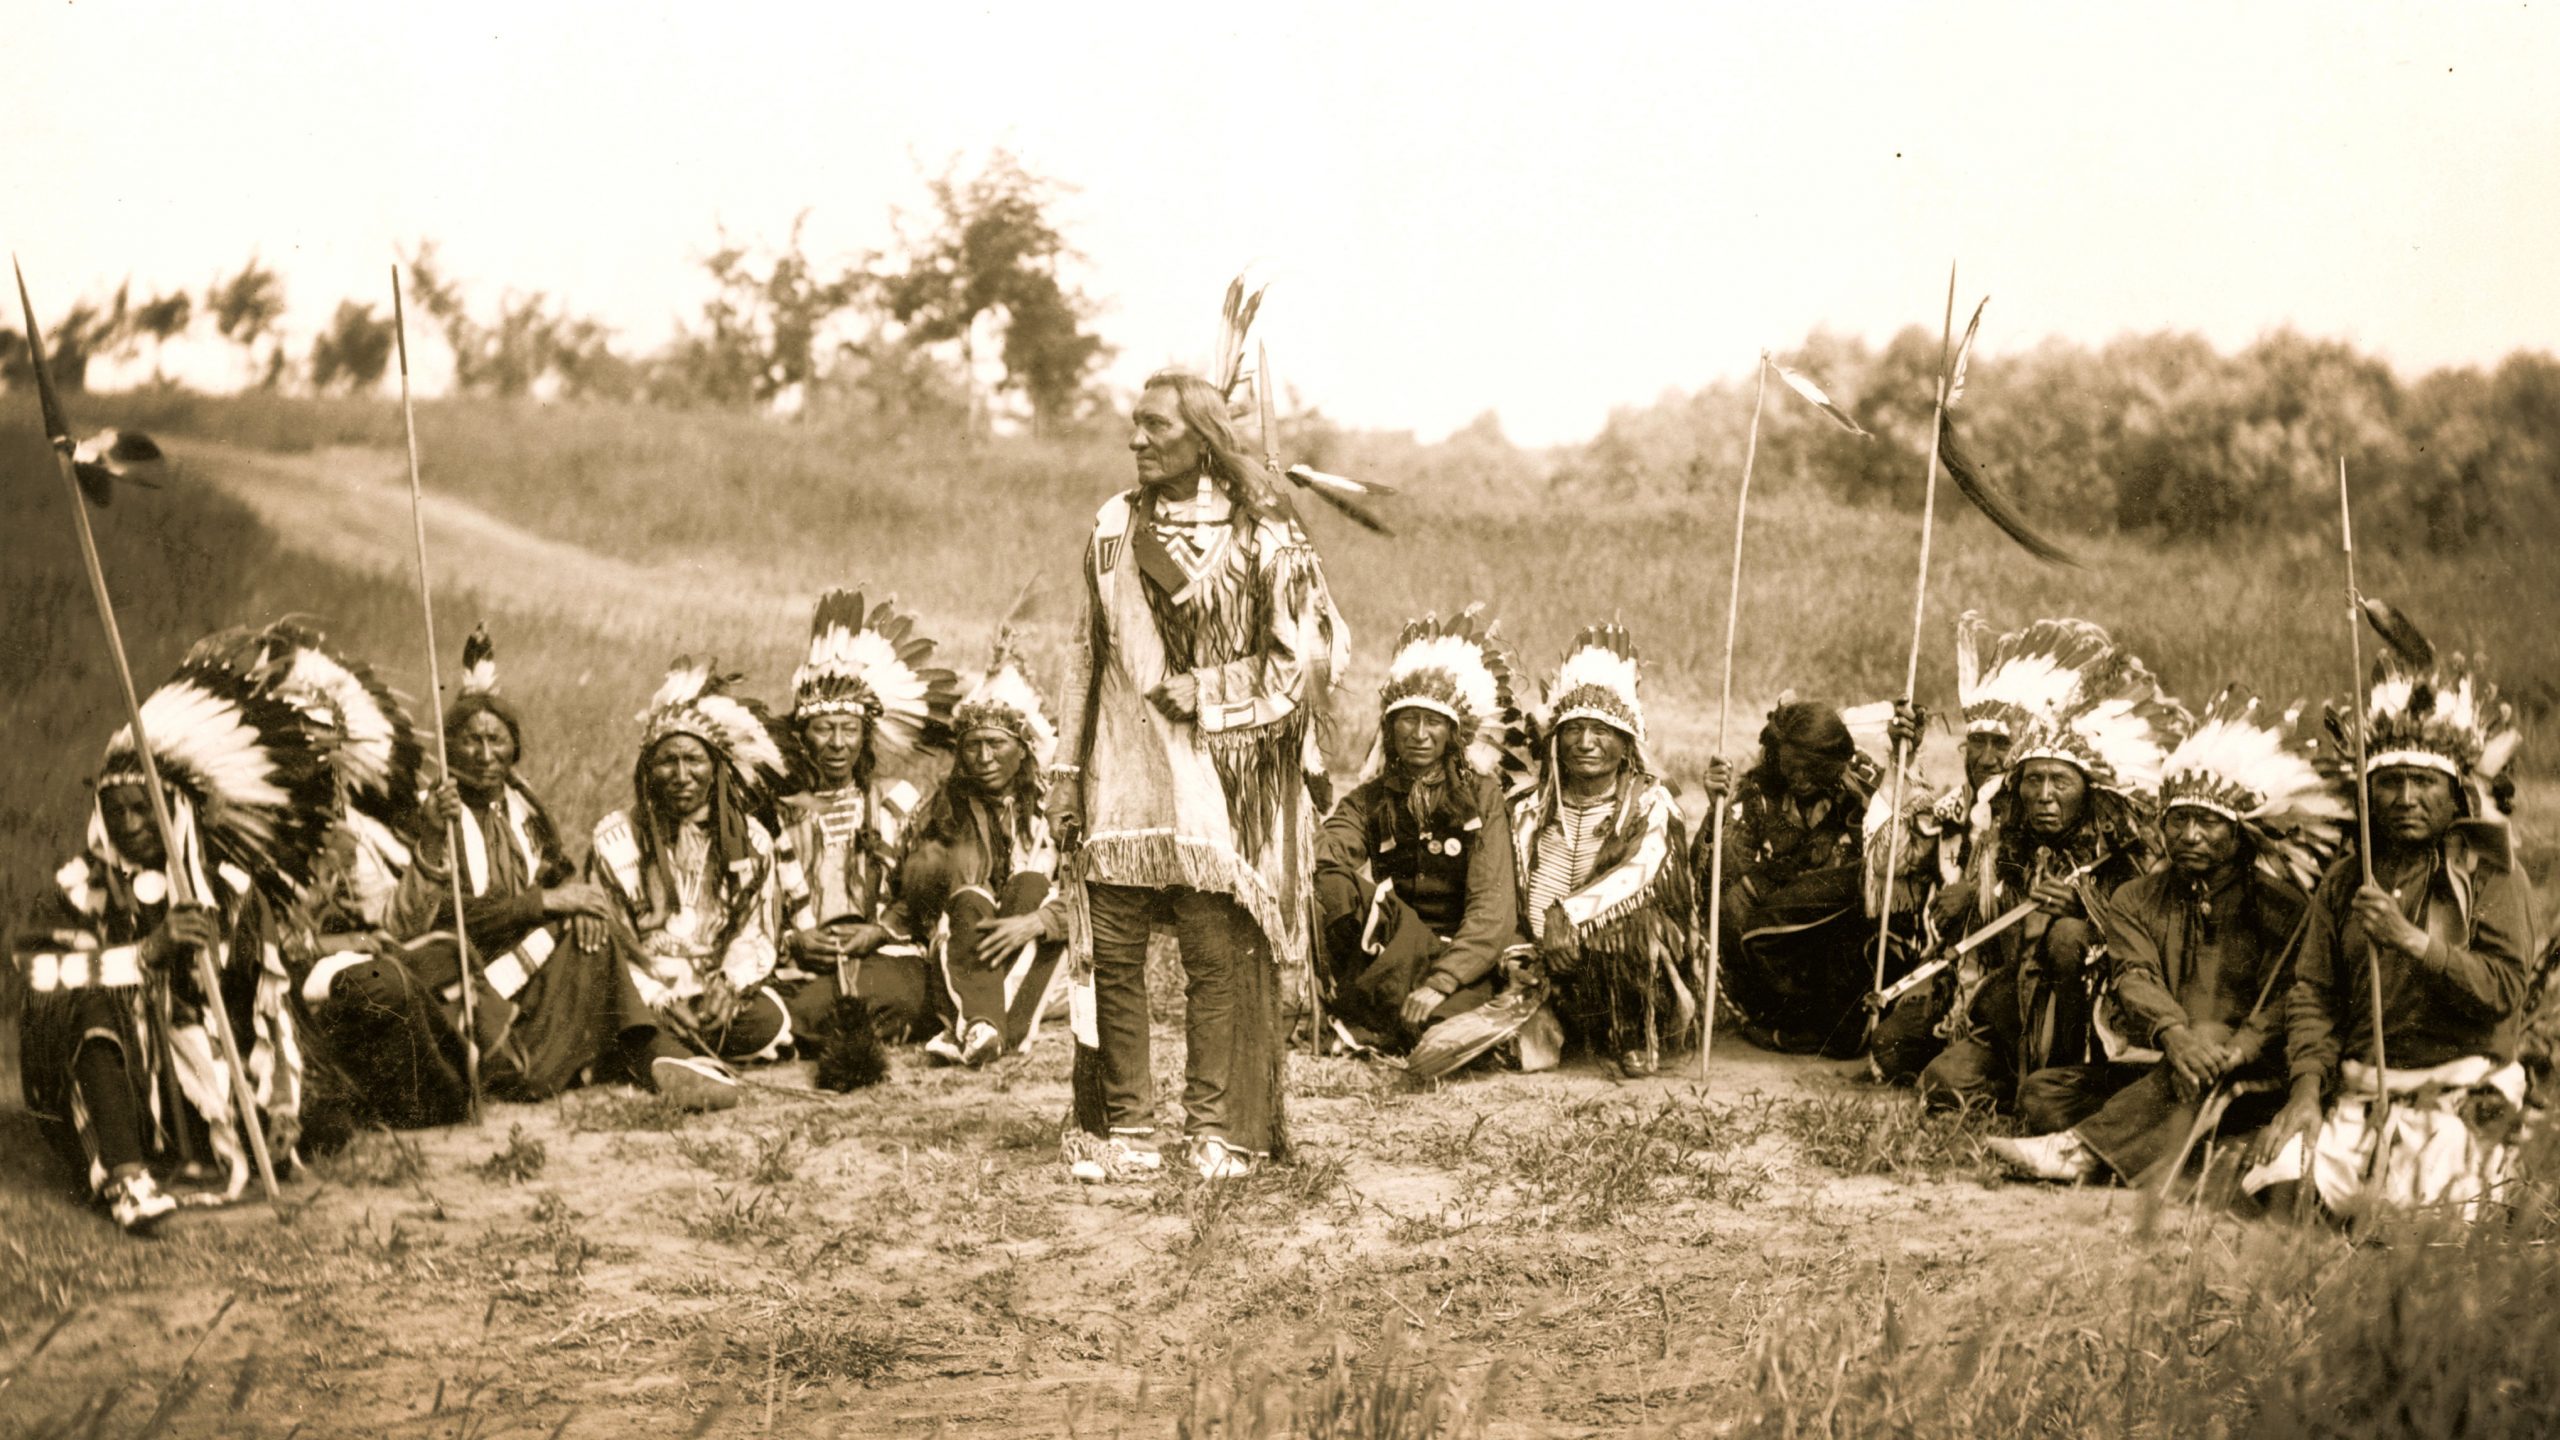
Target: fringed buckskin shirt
x,y
1220,802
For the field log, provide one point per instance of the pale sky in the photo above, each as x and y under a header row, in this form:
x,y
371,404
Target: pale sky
x,y
1543,210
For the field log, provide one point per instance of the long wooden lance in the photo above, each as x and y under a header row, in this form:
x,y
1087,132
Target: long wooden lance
x,y
1714,898
435,701
1267,413
217,1015
2364,808
1919,610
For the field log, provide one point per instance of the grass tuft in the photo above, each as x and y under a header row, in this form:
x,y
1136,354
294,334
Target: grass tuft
x,y
521,1159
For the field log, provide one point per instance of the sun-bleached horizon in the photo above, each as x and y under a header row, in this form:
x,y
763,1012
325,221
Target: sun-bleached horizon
x,y
1540,213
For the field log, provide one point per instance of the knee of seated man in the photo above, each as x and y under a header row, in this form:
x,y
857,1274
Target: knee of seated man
x,y
2066,945
376,984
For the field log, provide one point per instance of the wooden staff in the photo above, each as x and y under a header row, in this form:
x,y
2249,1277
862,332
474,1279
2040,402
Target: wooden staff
x,y
217,1015
1724,711
2364,807
435,703
1919,609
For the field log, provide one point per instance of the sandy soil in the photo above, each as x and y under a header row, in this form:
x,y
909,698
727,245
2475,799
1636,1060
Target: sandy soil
x,y
915,1257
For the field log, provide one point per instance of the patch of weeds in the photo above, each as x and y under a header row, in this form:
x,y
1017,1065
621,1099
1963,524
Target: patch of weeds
x,y
734,1218
619,1109
1024,1132
522,1159
1602,1160
777,1157
1398,1390
829,1339
377,1158
1862,1135
712,1155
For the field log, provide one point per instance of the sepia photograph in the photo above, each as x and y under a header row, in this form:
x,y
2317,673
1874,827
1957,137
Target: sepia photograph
x,y
1390,721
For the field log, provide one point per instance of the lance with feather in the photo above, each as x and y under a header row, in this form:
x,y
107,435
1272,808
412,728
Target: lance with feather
x,y
2356,610
1724,710
435,701
85,480
1919,609
1266,410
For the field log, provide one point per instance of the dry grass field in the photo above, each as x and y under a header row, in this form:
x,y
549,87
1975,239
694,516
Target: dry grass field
x,y
1790,1253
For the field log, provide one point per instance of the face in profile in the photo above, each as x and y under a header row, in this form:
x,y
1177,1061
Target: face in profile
x,y
679,777
1589,750
2200,841
1166,449
1419,739
2411,804
834,742
991,760
2051,796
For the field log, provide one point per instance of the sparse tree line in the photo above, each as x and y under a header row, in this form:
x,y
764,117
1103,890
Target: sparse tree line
x,y
893,338
2158,434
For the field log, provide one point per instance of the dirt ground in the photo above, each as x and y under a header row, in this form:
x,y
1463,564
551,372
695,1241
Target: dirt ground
x,y
1577,1253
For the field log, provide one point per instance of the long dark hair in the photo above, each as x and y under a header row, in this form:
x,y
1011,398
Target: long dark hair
x,y
1249,485
731,844
949,815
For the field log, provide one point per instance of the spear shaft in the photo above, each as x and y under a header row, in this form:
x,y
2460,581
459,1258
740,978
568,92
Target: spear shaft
x,y
1919,609
1724,710
217,1015
2364,803
435,693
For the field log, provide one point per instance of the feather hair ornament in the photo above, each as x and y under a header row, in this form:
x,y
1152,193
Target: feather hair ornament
x,y
2257,772
245,765
1458,669
479,662
1968,476
1227,372
2433,711
869,661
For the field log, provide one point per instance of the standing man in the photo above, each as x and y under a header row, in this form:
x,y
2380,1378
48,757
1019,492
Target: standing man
x,y
1209,647
2196,949
2447,919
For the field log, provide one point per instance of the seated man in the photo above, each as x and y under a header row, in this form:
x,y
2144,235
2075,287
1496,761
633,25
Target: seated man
x,y
1797,948
2002,684
2446,919
979,873
866,692
1599,845
1414,879
117,1051
2198,949
2070,812
691,868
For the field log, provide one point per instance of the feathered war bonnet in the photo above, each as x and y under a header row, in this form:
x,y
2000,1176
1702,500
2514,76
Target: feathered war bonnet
x,y
1005,699
2113,724
871,663
1597,681
2256,771
2007,683
359,723
248,781
695,701
1459,670
2433,712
